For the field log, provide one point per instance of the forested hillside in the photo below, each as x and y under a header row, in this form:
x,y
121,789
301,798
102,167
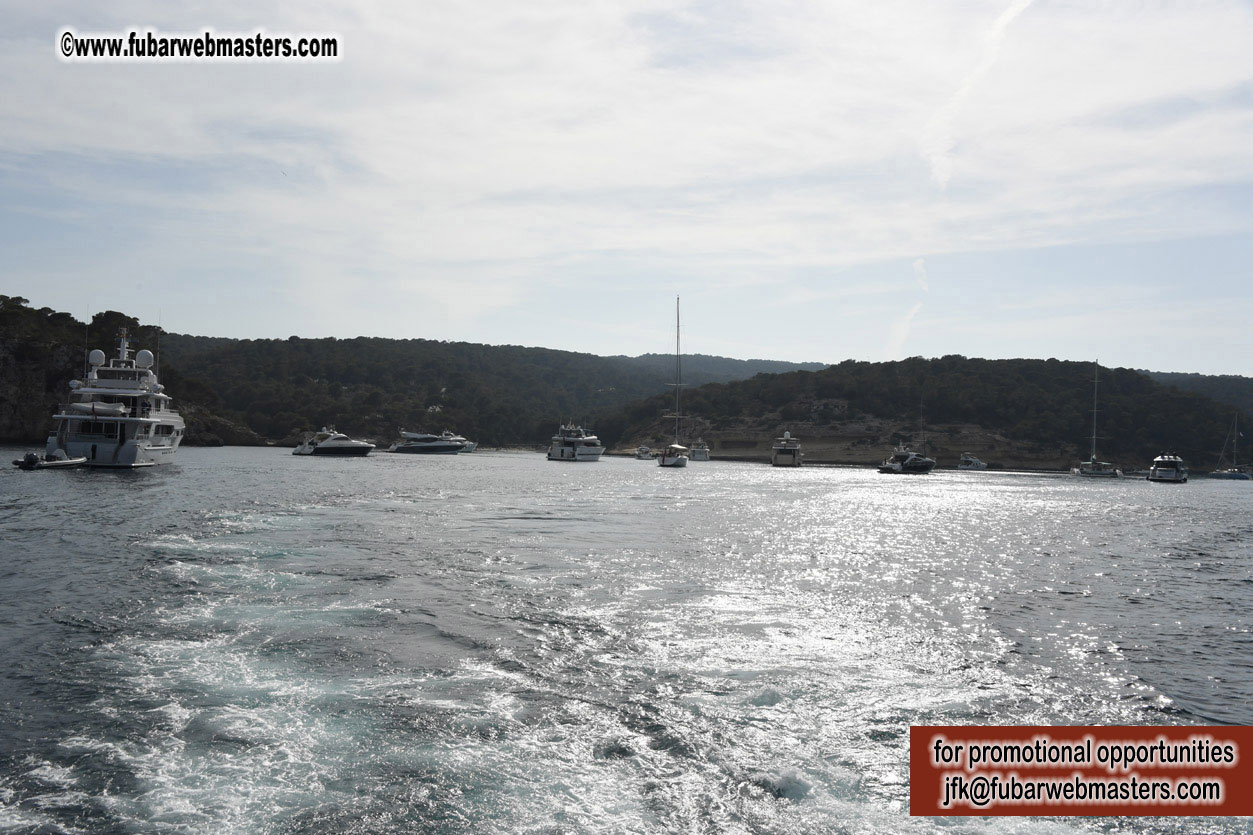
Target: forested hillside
x,y
699,369
1231,389
41,350
279,388
1031,412
1041,407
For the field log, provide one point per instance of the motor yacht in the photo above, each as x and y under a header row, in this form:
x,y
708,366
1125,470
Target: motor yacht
x,y
969,461
700,451
674,455
119,416
905,461
424,443
574,443
644,453
1168,468
466,446
786,452
329,442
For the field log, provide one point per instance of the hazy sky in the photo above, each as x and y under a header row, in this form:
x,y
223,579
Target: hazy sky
x,y
818,180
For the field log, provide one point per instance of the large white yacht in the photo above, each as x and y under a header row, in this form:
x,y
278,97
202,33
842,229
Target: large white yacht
x,y
330,442
574,443
1168,468
786,452
119,415
424,443
700,451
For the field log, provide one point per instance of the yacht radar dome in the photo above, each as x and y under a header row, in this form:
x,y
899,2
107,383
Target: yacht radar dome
x,y
96,357
144,359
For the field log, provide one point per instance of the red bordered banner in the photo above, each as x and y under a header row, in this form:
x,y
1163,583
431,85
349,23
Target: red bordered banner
x,y
1080,770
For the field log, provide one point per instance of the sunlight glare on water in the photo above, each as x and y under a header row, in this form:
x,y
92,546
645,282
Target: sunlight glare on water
x,y
252,642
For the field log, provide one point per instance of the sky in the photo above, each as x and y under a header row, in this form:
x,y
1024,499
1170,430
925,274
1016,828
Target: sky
x,y
817,181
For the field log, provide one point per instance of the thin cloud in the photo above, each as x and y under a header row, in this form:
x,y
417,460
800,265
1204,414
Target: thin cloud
x,y
898,335
938,137
517,152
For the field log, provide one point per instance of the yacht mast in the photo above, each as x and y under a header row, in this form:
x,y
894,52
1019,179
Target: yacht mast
x,y
1235,441
678,372
1096,380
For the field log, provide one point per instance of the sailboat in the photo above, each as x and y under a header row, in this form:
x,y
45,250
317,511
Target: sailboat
x,y
1233,472
675,455
1092,467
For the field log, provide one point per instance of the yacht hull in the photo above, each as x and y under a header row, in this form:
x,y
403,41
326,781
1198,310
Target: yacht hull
x,y
433,449
586,453
916,470
111,455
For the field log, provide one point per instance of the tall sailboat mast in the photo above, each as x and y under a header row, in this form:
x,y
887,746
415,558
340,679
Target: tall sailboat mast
x,y
1096,381
678,372
675,455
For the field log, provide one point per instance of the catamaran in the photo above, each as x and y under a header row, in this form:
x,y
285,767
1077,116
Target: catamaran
x,y
1092,467
1232,472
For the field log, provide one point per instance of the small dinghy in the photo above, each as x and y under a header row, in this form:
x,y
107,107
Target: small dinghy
x,y
34,461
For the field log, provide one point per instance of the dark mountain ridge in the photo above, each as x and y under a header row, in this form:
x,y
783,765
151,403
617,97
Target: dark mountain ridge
x,y
1035,412
1032,412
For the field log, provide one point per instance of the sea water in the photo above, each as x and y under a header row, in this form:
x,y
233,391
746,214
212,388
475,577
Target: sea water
x,y
250,641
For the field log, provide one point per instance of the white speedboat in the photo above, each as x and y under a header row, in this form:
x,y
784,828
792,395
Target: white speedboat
x,y
644,453
969,461
330,442
700,451
1168,468
1092,468
35,461
786,451
574,443
904,461
466,446
424,443
120,415
673,456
